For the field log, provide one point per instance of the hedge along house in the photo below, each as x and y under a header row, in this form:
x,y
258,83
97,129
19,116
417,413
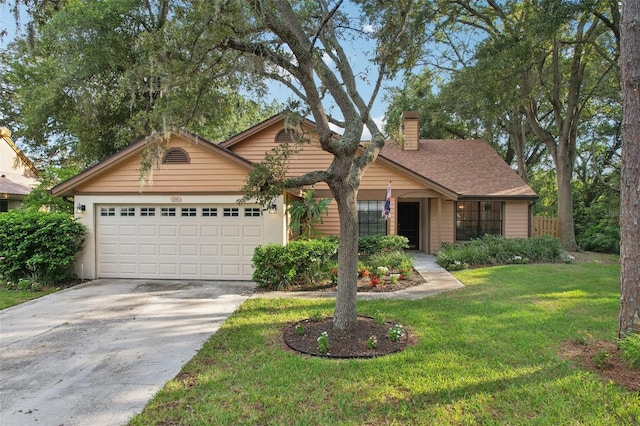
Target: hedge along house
x,y
186,222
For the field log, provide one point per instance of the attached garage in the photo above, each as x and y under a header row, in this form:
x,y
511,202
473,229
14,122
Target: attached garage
x,y
169,242
183,222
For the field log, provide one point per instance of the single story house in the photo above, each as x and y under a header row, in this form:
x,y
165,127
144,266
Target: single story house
x,y
18,175
187,223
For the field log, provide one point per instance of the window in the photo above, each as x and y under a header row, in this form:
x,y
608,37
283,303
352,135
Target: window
x,y
370,220
252,212
4,206
209,211
477,218
175,156
147,211
168,211
188,211
127,211
231,212
107,211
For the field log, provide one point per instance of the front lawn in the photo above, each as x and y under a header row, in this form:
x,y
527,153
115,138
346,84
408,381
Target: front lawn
x,y
486,354
10,298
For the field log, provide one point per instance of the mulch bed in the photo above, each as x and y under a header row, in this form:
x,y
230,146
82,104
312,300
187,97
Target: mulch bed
x,y
612,368
344,343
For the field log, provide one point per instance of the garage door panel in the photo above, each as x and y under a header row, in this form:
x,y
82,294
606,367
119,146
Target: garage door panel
x,y
252,231
127,230
188,230
200,245
209,230
230,231
188,250
167,249
148,268
209,250
148,250
148,230
127,249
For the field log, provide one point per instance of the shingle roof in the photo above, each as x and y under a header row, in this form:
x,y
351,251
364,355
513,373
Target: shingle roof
x,y
468,167
12,188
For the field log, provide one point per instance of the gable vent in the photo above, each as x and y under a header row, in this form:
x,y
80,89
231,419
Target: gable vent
x,y
175,156
284,136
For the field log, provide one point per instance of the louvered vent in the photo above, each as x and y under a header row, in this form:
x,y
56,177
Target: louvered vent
x,y
175,156
284,136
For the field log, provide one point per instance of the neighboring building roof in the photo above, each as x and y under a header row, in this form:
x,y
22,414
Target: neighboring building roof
x,y
468,167
11,188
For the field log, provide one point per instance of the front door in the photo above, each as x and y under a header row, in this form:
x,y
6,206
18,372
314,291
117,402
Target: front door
x,y
409,224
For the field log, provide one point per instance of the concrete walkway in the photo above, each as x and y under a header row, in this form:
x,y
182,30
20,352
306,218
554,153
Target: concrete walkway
x,y
437,279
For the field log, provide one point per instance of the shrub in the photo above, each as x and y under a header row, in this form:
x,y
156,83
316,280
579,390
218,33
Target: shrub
x,y
496,249
630,347
39,245
373,244
395,260
299,262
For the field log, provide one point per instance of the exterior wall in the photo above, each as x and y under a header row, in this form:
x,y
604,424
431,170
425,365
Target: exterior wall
x,y
206,172
516,219
85,265
442,223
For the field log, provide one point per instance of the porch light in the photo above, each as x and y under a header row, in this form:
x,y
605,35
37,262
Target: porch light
x,y
273,208
80,208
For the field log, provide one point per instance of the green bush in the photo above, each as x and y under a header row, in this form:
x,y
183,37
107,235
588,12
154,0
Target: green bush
x,y
630,347
498,250
393,260
298,263
374,244
39,245
603,239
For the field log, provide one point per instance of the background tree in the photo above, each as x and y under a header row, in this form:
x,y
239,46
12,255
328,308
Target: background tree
x,y
533,68
129,68
630,187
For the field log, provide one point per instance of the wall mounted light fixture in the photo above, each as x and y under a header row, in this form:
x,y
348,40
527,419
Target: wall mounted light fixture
x,y
273,208
80,208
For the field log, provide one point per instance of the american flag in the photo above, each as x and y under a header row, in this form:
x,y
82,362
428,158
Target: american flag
x,y
386,211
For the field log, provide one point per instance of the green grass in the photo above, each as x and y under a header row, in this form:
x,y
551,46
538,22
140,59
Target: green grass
x,y
486,354
10,298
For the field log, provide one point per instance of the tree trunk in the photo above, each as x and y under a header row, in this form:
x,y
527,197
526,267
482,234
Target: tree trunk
x,y
566,229
630,174
345,315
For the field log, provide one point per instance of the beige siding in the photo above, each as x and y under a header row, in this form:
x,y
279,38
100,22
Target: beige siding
x,y
516,219
206,172
442,225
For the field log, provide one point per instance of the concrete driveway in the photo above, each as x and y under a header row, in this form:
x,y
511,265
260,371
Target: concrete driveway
x,y
96,353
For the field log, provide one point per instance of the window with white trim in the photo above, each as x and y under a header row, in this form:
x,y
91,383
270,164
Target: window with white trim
x,y
127,211
252,212
147,211
209,211
188,211
231,212
107,211
168,211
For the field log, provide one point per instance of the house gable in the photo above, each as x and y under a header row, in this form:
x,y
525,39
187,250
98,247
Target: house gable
x,y
210,170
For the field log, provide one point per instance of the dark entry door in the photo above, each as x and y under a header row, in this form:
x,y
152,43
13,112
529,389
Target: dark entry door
x,y
409,224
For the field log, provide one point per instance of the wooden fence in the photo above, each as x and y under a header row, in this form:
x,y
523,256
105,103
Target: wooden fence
x,y
544,225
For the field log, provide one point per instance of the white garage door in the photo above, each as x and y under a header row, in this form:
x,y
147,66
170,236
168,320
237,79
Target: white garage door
x,y
177,242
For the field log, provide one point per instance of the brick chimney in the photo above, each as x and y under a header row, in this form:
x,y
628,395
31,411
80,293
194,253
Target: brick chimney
x,y
410,130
